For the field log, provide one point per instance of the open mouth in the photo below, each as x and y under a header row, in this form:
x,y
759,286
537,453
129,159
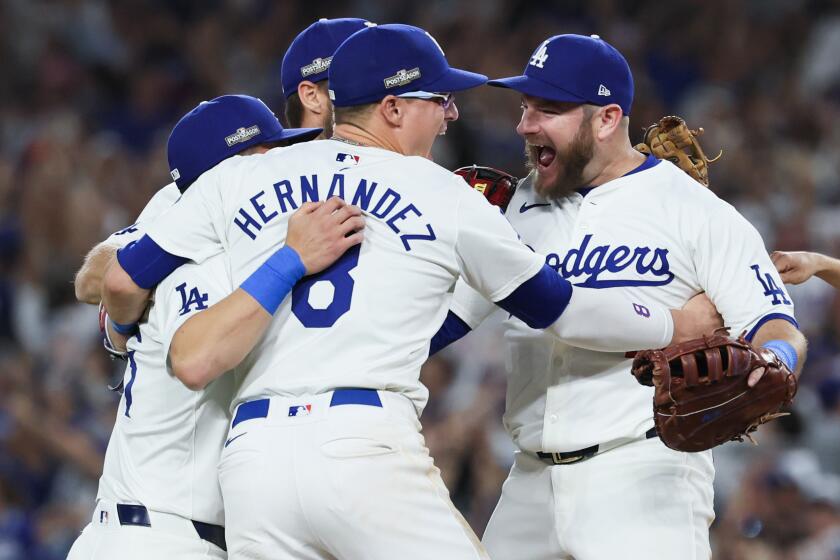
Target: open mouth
x,y
543,155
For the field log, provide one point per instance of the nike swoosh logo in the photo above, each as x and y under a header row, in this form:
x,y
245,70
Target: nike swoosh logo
x,y
526,206
231,440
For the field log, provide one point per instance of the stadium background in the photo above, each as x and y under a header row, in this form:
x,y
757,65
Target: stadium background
x,y
89,90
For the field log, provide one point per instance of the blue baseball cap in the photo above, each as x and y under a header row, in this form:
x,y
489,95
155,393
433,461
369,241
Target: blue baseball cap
x,y
577,69
220,128
311,52
393,59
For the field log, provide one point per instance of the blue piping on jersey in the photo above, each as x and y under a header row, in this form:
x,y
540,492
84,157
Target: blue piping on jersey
x,y
649,162
770,317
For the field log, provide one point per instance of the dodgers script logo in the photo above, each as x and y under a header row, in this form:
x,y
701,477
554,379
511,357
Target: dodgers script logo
x,y
604,266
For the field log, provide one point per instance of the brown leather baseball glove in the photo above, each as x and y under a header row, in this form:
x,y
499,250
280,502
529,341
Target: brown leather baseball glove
x,y
702,399
496,186
671,139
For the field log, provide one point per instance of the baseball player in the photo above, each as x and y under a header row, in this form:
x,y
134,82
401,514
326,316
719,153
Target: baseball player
x,y
159,495
324,458
304,79
590,480
796,267
303,72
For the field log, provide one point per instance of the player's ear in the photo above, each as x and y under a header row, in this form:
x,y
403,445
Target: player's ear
x,y
391,110
607,119
310,97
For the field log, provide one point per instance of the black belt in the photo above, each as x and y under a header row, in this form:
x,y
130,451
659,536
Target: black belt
x,y
132,514
571,457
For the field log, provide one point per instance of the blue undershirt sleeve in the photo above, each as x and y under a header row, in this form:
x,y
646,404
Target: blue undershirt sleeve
x,y
452,329
147,263
540,300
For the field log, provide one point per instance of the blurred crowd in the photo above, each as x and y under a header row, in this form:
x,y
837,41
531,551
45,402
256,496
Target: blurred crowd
x,y
89,90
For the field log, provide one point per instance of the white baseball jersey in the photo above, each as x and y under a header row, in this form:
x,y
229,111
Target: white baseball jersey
x,y
160,201
164,450
655,234
367,320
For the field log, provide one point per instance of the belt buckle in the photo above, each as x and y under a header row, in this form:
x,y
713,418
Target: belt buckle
x,y
559,460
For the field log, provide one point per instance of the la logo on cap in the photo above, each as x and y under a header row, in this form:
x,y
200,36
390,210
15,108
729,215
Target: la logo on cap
x,y
540,56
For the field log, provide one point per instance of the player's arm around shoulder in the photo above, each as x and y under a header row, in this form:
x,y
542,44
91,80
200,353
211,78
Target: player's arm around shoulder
x,y
187,230
90,277
87,283
218,338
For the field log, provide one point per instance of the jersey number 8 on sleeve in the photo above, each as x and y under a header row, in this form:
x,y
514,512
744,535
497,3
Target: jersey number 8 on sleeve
x,y
338,275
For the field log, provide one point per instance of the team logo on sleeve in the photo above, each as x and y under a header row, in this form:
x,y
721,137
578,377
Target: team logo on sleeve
x,y
771,289
193,298
606,266
130,229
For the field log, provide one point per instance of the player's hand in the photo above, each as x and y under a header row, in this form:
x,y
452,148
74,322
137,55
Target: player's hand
x,y
795,267
697,317
320,232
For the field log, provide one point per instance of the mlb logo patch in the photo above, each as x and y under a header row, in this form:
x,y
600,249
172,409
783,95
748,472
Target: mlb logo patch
x,y
103,517
347,158
300,410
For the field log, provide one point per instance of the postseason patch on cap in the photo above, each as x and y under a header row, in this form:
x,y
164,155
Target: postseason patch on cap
x,y
242,134
318,65
402,77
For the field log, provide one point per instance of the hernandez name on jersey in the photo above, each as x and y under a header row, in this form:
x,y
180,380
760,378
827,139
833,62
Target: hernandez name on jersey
x,y
424,228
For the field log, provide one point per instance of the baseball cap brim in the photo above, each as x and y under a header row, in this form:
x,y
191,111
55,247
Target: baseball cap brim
x,y
537,88
456,80
296,134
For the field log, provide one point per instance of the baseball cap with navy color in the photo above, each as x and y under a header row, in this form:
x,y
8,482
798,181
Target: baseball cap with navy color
x,y
220,128
310,54
393,59
577,69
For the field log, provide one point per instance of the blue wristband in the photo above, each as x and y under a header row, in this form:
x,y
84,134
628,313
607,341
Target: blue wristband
x,y
784,351
275,278
124,329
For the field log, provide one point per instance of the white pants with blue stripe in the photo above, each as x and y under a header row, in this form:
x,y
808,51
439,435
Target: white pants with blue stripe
x,y
312,481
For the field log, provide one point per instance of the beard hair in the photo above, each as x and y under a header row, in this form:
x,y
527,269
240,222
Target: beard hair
x,y
329,123
572,163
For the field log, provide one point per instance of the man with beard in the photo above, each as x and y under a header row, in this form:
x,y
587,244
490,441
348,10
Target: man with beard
x,y
304,72
329,378
590,478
